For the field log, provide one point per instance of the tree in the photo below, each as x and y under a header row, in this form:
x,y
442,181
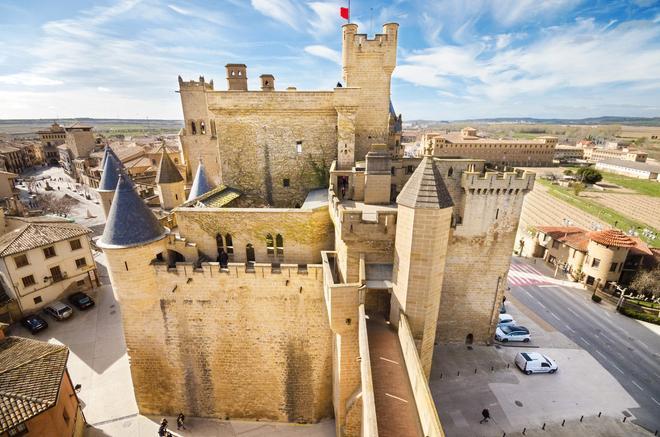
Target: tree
x,y
589,175
568,172
577,188
50,203
647,281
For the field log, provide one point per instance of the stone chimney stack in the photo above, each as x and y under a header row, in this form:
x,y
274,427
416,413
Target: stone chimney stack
x,y
236,77
267,82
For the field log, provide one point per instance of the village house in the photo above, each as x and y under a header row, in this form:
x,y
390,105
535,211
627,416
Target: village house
x,y
595,258
37,396
45,259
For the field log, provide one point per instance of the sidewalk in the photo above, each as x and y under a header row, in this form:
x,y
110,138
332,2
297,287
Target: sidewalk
x,y
549,271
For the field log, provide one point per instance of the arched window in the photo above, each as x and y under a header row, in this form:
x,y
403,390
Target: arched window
x,y
193,128
279,244
218,241
270,246
249,253
229,244
450,172
202,128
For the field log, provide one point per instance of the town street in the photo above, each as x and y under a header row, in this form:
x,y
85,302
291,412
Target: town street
x,y
629,350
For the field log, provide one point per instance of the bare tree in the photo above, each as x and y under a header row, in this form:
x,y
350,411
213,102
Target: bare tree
x,y
50,203
647,281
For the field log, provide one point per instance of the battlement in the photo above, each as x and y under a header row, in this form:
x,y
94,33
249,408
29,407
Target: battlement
x,y
358,221
355,44
195,85
491,180
237,270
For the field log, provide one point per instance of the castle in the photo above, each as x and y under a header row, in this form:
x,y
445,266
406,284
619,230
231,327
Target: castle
x,y
305,235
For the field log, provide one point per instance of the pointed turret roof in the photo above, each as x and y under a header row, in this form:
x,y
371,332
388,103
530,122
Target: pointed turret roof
x,y
425,188
167,171
111,172
200,183
130,222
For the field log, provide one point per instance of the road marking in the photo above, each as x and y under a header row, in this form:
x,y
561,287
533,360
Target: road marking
x,y
574,313
655,400
570,329
585,340
637,385
528,294
615,366
541,303
554,315
548,286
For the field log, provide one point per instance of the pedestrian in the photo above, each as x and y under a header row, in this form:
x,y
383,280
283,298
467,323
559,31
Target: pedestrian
x,y
162,431
179,421
486,415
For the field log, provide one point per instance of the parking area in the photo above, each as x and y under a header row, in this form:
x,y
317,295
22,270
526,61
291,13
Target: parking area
x,y
465,380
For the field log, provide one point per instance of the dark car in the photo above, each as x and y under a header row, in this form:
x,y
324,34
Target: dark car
x,y
34,323
81,300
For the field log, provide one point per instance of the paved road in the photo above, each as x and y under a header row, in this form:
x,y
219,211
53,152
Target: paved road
x,y
626,348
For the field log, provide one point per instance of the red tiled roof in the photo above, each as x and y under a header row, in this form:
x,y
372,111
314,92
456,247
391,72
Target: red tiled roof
x,y
556,232
612,237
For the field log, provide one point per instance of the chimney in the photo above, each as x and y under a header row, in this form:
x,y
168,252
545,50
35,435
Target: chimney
x,y
236,77
267,82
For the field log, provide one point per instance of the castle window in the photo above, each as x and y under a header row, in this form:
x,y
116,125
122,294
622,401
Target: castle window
x,y
286,182
270,246
450,172
193,128
299,147
202,128
279,242
176,160
213,131
229,244
249,254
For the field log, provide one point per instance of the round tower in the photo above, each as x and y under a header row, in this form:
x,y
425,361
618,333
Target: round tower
x,y
132,239
111,166
200,183
171,188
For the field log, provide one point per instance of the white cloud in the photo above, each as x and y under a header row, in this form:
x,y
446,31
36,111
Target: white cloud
x,y
283,11
324,52
326,19
28,79
200,14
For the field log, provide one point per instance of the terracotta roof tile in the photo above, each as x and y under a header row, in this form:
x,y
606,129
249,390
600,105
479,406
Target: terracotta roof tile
x,y
612,237
34,235
30,377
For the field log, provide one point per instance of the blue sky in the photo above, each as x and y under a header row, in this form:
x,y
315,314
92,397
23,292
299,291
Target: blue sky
x,y
457,59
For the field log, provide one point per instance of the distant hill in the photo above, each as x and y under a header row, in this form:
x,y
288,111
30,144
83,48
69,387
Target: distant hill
x,y
632,121
109,125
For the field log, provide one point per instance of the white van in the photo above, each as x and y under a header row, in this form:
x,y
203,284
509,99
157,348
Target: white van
x,y
534,362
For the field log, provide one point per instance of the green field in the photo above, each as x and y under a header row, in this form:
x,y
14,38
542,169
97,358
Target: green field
x,y
641,186
608,215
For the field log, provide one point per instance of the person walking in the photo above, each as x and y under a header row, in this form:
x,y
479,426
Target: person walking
x,y
179,421
486,415
162,431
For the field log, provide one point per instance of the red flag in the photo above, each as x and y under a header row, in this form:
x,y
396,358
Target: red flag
x,y
344,13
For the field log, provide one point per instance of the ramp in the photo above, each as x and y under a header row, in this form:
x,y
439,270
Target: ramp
x,y
395,404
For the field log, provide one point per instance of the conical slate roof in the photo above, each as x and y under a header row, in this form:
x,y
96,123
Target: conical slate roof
x,y
130,222
425,188
111,172
167,171
200,183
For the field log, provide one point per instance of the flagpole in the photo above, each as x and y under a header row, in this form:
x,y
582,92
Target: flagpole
x,y
349,11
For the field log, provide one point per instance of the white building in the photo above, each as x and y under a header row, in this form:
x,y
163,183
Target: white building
x,y
42,261
639,170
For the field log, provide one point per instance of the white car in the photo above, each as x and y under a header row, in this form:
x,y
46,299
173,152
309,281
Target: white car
x,y
506,333
505,319
534,362
59,310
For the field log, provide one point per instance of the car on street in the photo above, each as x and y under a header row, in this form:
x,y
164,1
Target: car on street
x,y
505,333
534,362
81,300
34,323
505,319
59,310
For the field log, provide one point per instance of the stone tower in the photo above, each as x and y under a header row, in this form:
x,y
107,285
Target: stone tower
x,y
131,240
200,183
171,189
368,64
108,183
237,77
422,235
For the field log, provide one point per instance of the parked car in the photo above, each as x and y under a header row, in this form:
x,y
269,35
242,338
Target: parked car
x,y
59,310
534,362
505,319
81,300
34,323
506,333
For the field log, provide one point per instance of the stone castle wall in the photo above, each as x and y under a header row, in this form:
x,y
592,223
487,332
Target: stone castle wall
x,y
225,344
305,233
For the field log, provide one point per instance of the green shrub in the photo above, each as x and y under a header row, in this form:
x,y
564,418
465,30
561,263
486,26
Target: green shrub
x,y
639,316
595,298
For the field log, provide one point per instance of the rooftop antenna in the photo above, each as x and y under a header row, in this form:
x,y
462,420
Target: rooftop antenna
x,y
371,20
